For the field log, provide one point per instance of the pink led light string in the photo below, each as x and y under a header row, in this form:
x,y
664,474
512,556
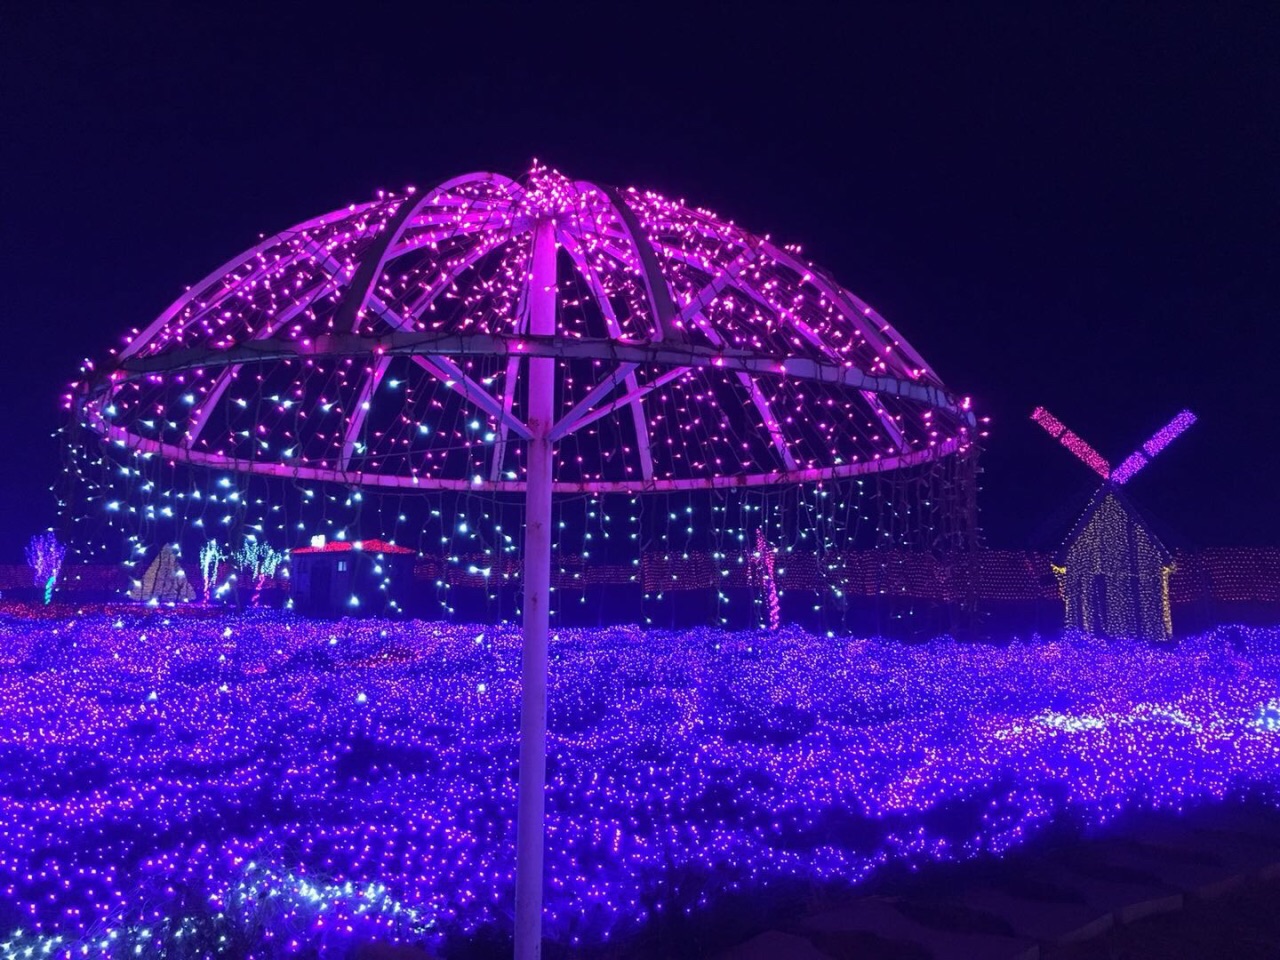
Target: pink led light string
x,y
763,568
639,269
1056,429
1128,467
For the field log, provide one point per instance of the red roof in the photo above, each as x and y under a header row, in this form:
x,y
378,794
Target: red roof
x,y
341,546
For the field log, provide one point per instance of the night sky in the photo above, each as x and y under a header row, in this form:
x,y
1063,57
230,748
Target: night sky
x,y
1073,208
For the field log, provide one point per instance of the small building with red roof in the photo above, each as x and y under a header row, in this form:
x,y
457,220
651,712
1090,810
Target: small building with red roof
x,y
351,578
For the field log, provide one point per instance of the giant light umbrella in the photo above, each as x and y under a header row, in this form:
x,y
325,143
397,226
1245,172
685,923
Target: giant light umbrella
x,y
539,336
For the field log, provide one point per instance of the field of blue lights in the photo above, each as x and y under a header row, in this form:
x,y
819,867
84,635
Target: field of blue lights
x,y
259,785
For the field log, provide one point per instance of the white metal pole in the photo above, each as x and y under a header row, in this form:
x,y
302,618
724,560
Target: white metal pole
x,y
531,797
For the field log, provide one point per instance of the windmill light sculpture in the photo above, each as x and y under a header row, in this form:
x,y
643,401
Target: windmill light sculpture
x,y
528,336
1112,570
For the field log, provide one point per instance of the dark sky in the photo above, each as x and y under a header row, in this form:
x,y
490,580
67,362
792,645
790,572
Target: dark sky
x,y
1074,207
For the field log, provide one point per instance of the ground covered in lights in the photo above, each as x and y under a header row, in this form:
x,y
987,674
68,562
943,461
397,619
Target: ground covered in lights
x,y
181,785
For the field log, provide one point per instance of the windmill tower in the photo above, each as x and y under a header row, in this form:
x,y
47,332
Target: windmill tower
x,y
1113,571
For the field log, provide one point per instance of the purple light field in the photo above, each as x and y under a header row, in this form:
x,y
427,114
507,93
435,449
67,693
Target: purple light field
x,y
187,786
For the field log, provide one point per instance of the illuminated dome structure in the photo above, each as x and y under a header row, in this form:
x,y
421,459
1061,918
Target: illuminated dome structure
x,y
539,335
385,345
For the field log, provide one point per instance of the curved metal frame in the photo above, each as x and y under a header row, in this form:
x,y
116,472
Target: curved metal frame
x,y
171,451
624,241
436,350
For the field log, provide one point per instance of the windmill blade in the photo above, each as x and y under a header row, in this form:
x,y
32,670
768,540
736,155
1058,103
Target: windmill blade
x,y
1168,433
1056,429
1159,440
1128,467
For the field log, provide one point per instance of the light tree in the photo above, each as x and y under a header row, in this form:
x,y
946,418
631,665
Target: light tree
x,y
45,555
211,555
259,561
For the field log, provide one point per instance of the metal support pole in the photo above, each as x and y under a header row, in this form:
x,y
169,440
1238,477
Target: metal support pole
x,y
537,597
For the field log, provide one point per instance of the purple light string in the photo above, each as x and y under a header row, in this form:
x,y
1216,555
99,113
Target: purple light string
x,y
310,786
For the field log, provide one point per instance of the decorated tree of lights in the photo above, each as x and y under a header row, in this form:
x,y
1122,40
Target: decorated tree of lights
x,y
1112,570
537,336
211,555
44,556
259,561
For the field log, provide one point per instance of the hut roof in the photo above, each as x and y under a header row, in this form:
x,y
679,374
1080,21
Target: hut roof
x,y
1134,514
345,546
